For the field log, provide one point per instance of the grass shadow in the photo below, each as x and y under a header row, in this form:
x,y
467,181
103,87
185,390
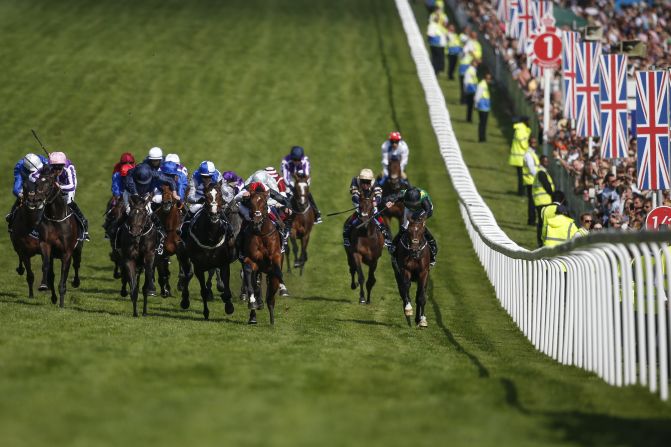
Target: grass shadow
x,y
366,322
326,299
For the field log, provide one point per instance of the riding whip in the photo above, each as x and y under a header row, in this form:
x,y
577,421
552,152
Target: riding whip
x,y
38,140
341,212
365,222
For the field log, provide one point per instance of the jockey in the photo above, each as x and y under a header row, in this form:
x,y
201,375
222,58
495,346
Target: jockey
x,y
234,181
294,163
417,202
205,174
171,170
66,178
404,183
262,181
395,145
154,158
180,167
28,169
142,180
363,185
125,164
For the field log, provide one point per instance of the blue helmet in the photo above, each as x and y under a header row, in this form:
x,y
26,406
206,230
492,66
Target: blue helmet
x,y
143,174
297,153
207,169
169,168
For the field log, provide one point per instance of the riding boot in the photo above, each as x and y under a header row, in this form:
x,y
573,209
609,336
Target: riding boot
x,y
284,234
239,241
346,233
386,233
318,214
433,246
394,243
10,217
80,216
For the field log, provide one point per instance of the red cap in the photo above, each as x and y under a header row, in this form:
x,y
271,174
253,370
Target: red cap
x,y
395,136
257,186
125,168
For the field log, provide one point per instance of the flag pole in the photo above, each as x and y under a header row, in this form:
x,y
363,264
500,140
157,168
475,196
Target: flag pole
x,y
546,108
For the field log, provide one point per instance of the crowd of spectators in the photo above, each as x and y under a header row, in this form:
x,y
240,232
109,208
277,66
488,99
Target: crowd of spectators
x,y
607,187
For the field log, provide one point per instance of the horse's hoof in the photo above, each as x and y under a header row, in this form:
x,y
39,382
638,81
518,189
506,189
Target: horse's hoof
x,y
362,300
220,288
123,293
54,300
228,307
184,304
43,287
144,314
297,264
75,283
165,293
117,275
407,310
353,286
422,322
151,292
20,270
252,320
283,290
252,305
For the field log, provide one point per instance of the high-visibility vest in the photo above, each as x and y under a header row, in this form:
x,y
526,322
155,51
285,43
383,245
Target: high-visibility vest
x,y
470,80
477,50
484,103
527,177
464,63
519,145
547,213
453,43
583,231
541,197
560,229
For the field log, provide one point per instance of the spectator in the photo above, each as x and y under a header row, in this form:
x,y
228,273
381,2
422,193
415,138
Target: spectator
x,y
560,228
586,220
519,146
483,104
453,50
531,163
437,41
470,87
542,190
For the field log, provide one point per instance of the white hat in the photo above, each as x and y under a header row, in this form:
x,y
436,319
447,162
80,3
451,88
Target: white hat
x,y
172,157
32,162
155,153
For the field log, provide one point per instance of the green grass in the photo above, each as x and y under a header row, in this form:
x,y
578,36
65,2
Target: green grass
x,y
240,82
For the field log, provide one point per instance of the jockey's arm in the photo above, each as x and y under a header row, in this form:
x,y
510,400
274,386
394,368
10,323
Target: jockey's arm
x,y
18,179
405,154
69,183
193,196
306,168
117,184
182,184
427,207
130,183
279,198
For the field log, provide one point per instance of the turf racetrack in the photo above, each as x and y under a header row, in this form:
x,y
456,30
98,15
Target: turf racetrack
x,y
240,82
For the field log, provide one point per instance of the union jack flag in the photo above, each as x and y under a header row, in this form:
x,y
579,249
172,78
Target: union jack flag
x,y
523,23
511,19
568,60
541,9
502,10
613,98
587,55
652,129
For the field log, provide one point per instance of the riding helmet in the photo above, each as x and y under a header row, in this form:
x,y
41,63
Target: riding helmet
x,y
412,198
172,157
155,153
169,168
143,174
297,153
207,169
57,158
32,163
395,136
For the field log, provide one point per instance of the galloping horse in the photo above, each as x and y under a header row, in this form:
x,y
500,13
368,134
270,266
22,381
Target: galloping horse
x,y
302,222
412,265
27,217
170,214
114,213
392,185
59,235
137,240
366,245
262,244
209,245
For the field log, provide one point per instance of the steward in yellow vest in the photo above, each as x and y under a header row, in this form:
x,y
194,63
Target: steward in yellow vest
x,y
453,50
560,228
542,192
531,163
483,105
518,148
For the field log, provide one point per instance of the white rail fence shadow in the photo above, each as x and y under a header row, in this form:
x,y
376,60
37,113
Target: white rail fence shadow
x,y
597,302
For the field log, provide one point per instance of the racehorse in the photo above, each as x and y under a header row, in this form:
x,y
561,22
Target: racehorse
x,y
302,222
137,240
392,185
412,265
262,245
208,245
27,217
170,214
59,235
366,245
114,214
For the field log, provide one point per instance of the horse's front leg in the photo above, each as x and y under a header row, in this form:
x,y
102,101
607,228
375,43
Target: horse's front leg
x,y
249,279
371,280
200,274
62,285
404,289
30,276
131,278
360,276
304,250
76,264
294,247
148,279
46,270
226,295
420,299
186,267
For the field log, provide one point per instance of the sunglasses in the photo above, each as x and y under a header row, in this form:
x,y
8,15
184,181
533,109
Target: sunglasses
x,y
587,220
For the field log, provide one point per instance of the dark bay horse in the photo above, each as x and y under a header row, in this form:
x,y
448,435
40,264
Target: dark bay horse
x,y
137,241
114,214
208,245
302,222
366,246
59,235
27,217
411,264
392,185
170,214
262,245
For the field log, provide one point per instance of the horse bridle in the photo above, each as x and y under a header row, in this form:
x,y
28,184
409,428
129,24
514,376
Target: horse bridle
x,y
415,253
298,203
147,219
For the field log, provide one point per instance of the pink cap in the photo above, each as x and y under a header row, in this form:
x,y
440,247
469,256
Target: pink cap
x,y
57,158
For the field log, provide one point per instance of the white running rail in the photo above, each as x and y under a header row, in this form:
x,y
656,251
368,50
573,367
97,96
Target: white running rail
x,y
597,302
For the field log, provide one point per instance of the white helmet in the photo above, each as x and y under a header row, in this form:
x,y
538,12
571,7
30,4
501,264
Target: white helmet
x,y
366,174
155,153
172,157
32,163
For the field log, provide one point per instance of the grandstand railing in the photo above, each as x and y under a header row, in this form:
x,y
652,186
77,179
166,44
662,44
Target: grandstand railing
x,y
597,302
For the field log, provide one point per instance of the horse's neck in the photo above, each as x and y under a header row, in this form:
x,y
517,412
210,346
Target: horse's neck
x,y
57,209
170,219
371,228
209,229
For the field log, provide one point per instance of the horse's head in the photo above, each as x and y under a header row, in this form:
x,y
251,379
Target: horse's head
x,y
167,199
214,203
416,230
366,207
258,206
138,217
45,188
301,189
394,170
32,200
